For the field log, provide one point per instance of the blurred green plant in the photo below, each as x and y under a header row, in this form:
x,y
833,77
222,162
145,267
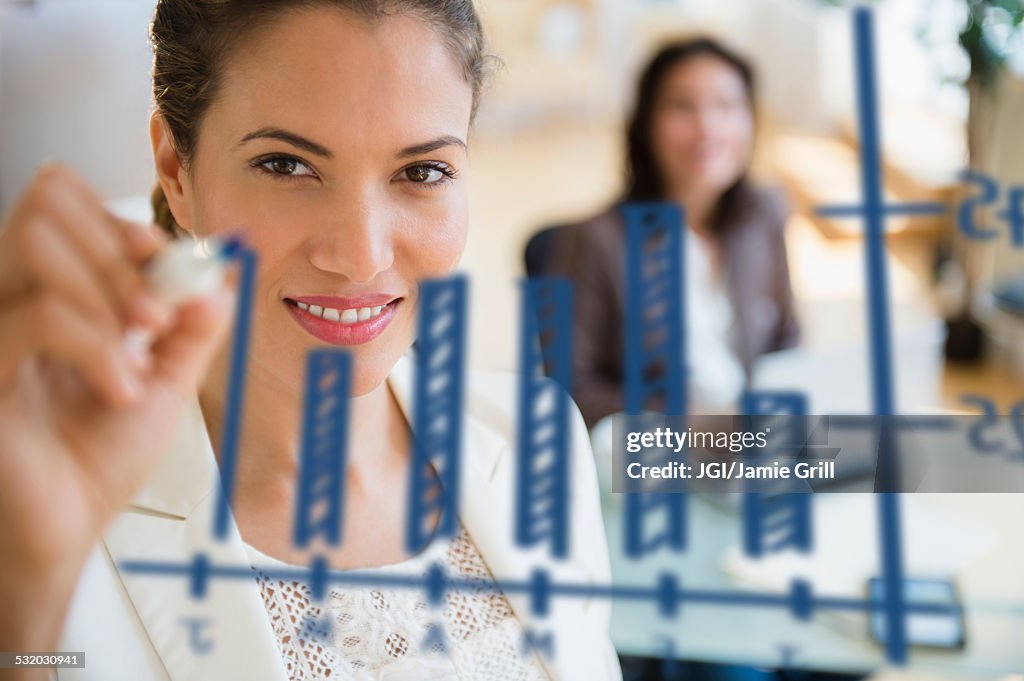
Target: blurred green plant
x,y
989,36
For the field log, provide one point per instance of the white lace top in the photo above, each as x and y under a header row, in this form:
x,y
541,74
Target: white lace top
x,y
384,634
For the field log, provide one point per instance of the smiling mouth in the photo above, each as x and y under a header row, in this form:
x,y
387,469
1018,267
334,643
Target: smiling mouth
x,y
347,316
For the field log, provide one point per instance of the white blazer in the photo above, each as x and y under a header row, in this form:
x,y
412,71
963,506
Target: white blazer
x,y
136,627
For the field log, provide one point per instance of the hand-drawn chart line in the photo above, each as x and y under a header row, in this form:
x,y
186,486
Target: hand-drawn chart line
x,y
437,411
654,339
667,591
247,260
320,500
873,211
543,435
781,518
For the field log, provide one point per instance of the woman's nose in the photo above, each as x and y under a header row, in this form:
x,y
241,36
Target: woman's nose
x,y
707,121
356,242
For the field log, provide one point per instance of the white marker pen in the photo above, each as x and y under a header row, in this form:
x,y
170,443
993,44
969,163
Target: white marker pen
x,y
182,270
189,268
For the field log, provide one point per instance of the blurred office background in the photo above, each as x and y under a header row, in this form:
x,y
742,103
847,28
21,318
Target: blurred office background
x,y
548,146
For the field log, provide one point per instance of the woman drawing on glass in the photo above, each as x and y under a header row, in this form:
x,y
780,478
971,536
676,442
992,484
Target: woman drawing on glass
x,y
331,135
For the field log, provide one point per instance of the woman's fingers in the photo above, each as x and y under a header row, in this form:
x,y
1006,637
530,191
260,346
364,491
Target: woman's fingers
x,y
102,239
53,264
72,283
141,241
48,326
181,356
68,204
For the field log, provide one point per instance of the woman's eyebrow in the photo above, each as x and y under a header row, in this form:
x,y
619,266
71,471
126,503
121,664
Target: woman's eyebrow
x,y
291,138
432,145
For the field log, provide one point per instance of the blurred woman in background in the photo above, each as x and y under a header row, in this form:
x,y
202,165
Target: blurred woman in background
x,y
690,141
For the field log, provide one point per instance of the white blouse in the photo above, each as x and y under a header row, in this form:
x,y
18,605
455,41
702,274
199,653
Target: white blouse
x,y
715,374
380,634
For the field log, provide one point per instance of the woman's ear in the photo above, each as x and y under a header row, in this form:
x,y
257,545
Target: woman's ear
x,y
171,175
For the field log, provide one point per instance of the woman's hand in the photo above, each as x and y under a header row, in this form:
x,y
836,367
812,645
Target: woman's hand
x,y
83,421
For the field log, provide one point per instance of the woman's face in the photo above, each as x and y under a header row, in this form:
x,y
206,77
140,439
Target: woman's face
x,y
702,128
337,148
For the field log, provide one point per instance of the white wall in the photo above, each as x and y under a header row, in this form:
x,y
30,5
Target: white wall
x,y
75,86
1001,261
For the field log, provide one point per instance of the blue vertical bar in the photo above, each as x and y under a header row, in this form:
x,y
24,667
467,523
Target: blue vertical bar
x,y
437,411
774,522
655,347
777,519
656,307
320,500
236,391
878,321
763,407
542,480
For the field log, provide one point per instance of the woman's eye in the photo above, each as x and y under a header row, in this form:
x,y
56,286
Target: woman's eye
x,y
427,174
285,166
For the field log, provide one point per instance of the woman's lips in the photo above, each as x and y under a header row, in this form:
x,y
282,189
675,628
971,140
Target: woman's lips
x,y
344,321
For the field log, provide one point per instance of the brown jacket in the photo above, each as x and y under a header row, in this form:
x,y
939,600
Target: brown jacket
x,y
592,254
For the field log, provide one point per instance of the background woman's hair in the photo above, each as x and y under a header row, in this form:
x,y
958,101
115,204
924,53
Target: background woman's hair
x,y
643,177
192,38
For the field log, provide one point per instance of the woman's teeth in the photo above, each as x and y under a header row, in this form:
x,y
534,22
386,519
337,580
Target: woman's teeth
x,y
351,316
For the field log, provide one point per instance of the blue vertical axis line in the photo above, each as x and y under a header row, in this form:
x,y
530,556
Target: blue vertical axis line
x,y
543,442
247,261
437,410
878,320
320,500
654,340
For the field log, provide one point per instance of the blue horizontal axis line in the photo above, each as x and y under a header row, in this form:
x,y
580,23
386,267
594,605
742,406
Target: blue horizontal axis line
x,y
858,209
920,422
657,593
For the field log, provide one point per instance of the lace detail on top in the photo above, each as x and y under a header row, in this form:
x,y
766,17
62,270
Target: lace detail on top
x,y
386,634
